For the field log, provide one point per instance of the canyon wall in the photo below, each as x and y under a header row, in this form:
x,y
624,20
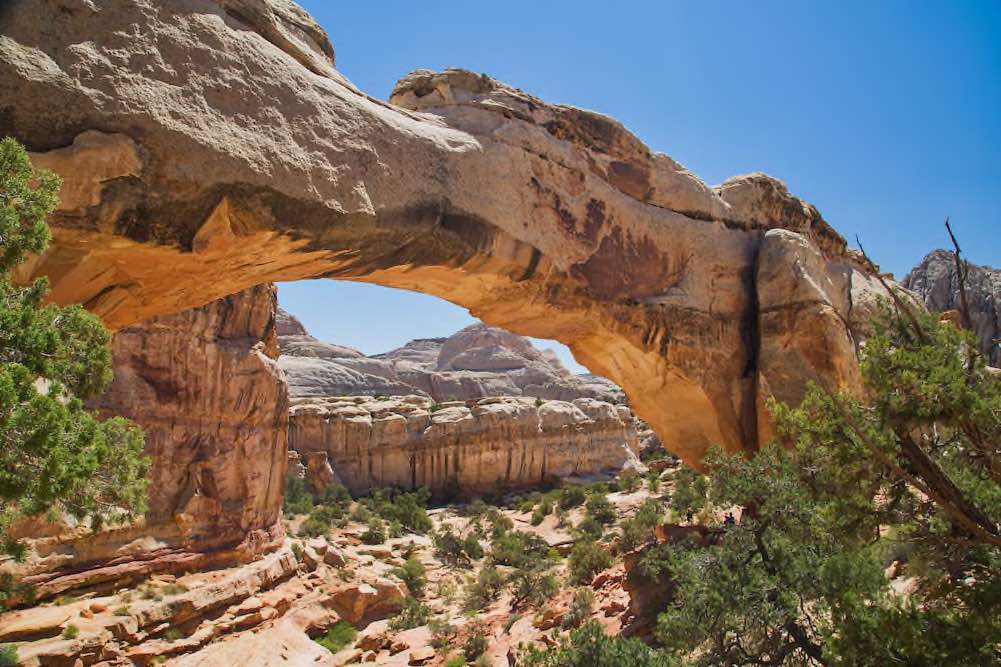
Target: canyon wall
x,y
474,447
206,388
207,147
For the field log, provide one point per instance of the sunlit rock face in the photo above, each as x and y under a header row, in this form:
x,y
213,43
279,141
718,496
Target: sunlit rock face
x,y
477,362
476,447
206,388
209,147
936,283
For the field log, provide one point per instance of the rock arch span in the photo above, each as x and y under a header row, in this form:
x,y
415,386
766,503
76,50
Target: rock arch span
x,y
209,146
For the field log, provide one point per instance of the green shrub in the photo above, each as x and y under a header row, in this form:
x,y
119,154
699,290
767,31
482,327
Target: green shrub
x,y
484,589
8,655
414,575
441,633
337,495
297,552
450,548
375,532
409,509
172,634
638,529
297,499
413,614
589,646
71,632
590,528
587,559
337,636
629,481
533,585
572,496
580,608
476,642
601,508
518,549
456,661
472,548
121,611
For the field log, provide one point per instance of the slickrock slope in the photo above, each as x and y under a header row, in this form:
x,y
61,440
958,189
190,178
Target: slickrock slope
x,y
934,280
209,147
476,362
205,386
470,447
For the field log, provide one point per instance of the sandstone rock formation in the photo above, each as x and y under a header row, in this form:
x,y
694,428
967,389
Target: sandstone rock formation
x,y
476,362
935,282
206,388
209,147
470,447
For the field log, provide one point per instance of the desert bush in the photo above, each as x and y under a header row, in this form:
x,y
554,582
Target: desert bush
x,y
572,496
587,559
589,646
413,614
476,642
534,584
375,532
484,589
580,608
600,508
638,529
8,655
414,575
337,636
518,549
297,499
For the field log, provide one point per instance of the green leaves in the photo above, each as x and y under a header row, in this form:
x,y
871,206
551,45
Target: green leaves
x,y
23,205
54,453
909,475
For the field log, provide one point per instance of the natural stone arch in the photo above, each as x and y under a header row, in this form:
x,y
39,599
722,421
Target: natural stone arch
x,y
211,146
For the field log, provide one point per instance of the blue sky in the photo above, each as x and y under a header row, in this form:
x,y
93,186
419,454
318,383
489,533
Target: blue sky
x,y
885,115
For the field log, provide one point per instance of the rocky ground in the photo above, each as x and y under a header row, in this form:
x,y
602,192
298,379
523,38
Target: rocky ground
x,y
267,611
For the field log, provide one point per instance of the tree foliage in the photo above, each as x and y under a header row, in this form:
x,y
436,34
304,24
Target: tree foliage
x,y
55,454
913,471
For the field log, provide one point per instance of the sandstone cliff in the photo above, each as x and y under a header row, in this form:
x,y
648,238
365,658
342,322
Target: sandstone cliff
x,y
470,447
476,362
935,282
206,388
218,139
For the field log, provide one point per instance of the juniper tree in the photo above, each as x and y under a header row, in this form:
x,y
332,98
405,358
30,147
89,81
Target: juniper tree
x,y
55,454
911,472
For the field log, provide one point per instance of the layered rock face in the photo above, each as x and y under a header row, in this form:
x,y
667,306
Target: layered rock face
x,y
469,447
935,282
476,362
217,139
206,388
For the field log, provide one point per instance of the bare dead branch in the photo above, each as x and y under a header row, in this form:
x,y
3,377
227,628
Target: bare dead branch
x,y
962,271
898,302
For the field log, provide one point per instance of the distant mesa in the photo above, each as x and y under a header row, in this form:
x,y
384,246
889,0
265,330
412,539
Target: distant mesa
x,y
476,362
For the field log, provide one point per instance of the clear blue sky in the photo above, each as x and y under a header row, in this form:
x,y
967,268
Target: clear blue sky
x,y
885,115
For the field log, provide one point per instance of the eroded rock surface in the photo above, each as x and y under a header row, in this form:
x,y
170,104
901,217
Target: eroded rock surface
x,y
935,282
206,388
228,151
471,447
476,362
